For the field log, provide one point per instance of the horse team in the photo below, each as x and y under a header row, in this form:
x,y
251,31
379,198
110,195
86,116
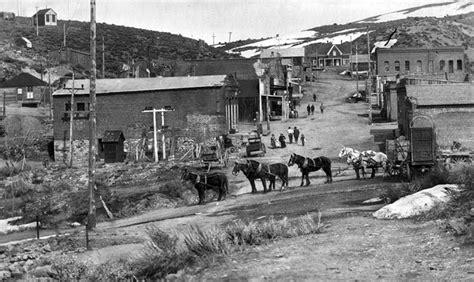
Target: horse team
x,y
255,170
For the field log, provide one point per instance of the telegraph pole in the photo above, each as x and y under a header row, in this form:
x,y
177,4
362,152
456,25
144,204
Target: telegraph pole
x,y
37,29
230,34
103,57
369,78
357,70
91,218
213,39
71,123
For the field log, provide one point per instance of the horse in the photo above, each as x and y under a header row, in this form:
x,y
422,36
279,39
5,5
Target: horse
x,y
363,160
306,165
272,171
216,181
251,175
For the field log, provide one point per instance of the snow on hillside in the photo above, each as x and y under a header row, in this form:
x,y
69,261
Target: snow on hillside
x,y
308,37
431,10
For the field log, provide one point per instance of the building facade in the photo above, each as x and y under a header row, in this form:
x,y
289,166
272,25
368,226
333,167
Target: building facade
x,y
442,63
205,106
45,17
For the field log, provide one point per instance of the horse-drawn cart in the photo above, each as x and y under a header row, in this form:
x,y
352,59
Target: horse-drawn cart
x,y
255,147
214,154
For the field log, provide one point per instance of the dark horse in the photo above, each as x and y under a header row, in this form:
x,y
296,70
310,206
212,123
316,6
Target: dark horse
x,y
251,175
216,181
272,171
306,165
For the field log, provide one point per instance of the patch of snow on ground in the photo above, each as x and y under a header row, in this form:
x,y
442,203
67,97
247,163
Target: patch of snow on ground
x,y
335,40
5,226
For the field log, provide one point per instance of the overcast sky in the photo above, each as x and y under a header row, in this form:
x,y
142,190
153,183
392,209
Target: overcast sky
x,y
200,19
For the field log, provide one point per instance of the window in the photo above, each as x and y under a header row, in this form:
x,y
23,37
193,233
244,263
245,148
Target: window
x,y
430,66
334,54
442,65
459,64
407,65
47,18
81,107
419,66
386,66
53,18
451,66
397,66
29,92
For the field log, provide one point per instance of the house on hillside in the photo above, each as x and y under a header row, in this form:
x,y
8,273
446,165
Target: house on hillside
x,y
450,106
332,55
27,90
7,16
45,17
205,107
446,63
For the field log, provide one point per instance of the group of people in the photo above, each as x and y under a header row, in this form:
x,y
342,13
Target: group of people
x,y
293,134
310,108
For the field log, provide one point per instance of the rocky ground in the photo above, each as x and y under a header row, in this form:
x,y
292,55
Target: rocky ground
x,y
353,245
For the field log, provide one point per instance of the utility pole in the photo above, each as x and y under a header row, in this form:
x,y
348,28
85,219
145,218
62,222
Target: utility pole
x,y
230,34
369,78
91,217
357,70
155,139
37,29
103,57
64,34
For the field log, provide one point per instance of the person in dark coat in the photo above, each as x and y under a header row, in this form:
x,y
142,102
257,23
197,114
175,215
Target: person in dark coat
x,y
296,134
312,109
308,108
314,97
282,140
322,107
273,141
302,139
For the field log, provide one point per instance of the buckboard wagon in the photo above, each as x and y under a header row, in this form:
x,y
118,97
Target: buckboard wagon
x,y
255,147
420,151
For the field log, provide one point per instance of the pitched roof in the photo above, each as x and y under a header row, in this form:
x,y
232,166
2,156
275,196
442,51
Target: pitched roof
x,y
241,68
442,94
112,136
43,11
127,85
23,80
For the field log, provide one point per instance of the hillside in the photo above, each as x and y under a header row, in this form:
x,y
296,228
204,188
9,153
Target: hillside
x,y
434,25
122,44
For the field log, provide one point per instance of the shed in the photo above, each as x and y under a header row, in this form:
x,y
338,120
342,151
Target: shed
x,y
113,146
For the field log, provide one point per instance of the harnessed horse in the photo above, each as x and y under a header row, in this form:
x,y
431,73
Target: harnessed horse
x,y
212,181
364,159
306,165
272,171
251,175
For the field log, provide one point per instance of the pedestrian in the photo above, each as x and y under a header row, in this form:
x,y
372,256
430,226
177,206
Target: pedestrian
x,y
312,109
302,139
314,97
290,134
273,141
322,107
282,140
296,134
308,108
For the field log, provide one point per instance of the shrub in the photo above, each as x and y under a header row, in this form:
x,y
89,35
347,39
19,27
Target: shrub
x,y
203,243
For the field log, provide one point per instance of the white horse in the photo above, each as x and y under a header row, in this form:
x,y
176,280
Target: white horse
x,y
364,159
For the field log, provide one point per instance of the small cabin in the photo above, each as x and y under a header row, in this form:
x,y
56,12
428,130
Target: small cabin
x,y
112,144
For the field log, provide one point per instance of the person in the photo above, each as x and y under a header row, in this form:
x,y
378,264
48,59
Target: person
x,y
273,141
314,97
302,139
308,108
296,134
322,107
290,134
312,109
282,140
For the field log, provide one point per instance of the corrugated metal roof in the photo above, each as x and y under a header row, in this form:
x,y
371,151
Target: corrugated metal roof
x,y
284,53
123,85
442,94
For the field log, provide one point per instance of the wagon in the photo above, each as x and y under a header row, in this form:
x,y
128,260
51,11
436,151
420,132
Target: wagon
x,y
214,154
255,147
416,153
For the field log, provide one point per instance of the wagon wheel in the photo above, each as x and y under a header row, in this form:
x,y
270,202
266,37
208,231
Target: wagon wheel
x,y
393,170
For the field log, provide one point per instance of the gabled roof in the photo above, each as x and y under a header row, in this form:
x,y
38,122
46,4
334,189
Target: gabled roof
x,y
112,136
332,48
43,11
442,94
128,85
23,80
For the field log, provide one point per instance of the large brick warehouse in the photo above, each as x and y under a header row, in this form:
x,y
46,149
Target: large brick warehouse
x,y
205,107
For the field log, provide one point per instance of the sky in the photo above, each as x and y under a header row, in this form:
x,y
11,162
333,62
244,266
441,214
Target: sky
x,y
225,19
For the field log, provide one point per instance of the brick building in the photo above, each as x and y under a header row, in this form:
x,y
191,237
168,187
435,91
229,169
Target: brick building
x,y
450,106
441,63
205,107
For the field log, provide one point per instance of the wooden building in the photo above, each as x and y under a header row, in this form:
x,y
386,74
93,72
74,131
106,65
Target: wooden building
x,y
45,17
28,90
